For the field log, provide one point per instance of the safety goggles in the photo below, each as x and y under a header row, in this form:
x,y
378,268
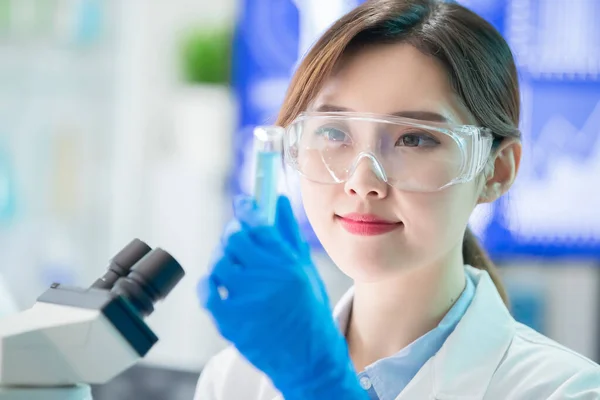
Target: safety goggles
x,y
408,154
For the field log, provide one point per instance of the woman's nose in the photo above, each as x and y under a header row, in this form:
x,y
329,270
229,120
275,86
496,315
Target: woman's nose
x,y
367,180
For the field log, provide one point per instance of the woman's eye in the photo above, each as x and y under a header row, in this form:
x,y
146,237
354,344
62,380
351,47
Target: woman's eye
x,y
416,140
332,134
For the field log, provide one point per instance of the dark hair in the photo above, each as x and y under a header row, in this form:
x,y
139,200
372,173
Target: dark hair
x,y
478,61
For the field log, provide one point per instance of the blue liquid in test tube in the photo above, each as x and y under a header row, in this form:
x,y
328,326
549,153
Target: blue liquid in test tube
x,y
267,150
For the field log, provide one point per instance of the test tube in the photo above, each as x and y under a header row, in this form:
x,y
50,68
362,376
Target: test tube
x,y
267,151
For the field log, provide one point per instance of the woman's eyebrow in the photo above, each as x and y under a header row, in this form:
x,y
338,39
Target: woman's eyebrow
x,y
412,114
332,108
422,115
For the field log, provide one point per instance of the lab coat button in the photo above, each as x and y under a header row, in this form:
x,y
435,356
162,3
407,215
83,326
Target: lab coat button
x,y
365,383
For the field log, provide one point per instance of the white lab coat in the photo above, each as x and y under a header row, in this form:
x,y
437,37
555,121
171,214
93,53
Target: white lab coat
x,y
489,356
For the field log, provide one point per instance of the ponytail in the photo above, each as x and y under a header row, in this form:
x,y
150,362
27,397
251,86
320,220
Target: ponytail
x,y
475,256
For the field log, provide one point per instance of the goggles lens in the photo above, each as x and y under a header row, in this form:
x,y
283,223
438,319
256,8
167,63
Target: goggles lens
x,y
408,154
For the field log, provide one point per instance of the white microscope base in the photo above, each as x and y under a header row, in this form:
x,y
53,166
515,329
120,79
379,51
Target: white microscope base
x,y
78,392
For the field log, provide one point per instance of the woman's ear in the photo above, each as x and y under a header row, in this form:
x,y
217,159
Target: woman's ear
x,y
506,161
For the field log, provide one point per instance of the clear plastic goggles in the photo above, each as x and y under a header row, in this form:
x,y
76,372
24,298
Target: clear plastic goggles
x,y
408,154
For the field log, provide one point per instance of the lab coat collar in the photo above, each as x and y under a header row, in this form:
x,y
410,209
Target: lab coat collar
x,y
464,366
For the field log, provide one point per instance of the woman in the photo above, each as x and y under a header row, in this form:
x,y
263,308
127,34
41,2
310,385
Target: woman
x,y
401,119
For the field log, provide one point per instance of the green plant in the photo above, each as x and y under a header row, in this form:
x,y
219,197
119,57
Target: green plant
x,y
206,56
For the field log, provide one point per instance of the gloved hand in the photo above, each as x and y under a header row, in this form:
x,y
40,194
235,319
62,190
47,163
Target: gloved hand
x,y
267,299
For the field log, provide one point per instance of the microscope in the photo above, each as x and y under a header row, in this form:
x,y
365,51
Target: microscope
x,y
73,337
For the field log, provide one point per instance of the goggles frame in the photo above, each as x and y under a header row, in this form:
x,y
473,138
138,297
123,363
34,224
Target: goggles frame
x,y
474,157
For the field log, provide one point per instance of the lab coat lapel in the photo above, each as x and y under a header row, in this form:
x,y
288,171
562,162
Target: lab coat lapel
x,y
464,366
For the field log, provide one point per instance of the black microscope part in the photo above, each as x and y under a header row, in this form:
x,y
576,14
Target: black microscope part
x,y
120,265
151,279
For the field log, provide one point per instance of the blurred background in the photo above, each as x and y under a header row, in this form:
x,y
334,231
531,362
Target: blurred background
x,y
122,119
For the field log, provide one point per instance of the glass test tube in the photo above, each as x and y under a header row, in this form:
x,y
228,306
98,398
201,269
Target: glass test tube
x,y
268,152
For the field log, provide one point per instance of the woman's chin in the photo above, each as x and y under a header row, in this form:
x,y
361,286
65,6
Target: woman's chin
x,y
370,266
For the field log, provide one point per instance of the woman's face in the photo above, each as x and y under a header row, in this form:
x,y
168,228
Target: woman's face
x,y
429,227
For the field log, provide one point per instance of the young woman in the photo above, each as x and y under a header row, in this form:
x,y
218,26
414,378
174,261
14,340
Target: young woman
x,y
401,119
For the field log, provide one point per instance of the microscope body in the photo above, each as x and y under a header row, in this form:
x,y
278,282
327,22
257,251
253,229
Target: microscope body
x,y
73,337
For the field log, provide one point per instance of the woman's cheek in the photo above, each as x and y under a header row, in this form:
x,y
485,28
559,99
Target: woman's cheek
x,y
439,216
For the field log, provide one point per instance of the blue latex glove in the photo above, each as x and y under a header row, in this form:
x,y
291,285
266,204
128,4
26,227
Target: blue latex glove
x,y
276,311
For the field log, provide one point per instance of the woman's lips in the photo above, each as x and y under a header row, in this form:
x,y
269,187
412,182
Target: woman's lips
x,y
367,224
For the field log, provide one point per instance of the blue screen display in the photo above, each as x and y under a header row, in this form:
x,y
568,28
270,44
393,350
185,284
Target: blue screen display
x,y
552,210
